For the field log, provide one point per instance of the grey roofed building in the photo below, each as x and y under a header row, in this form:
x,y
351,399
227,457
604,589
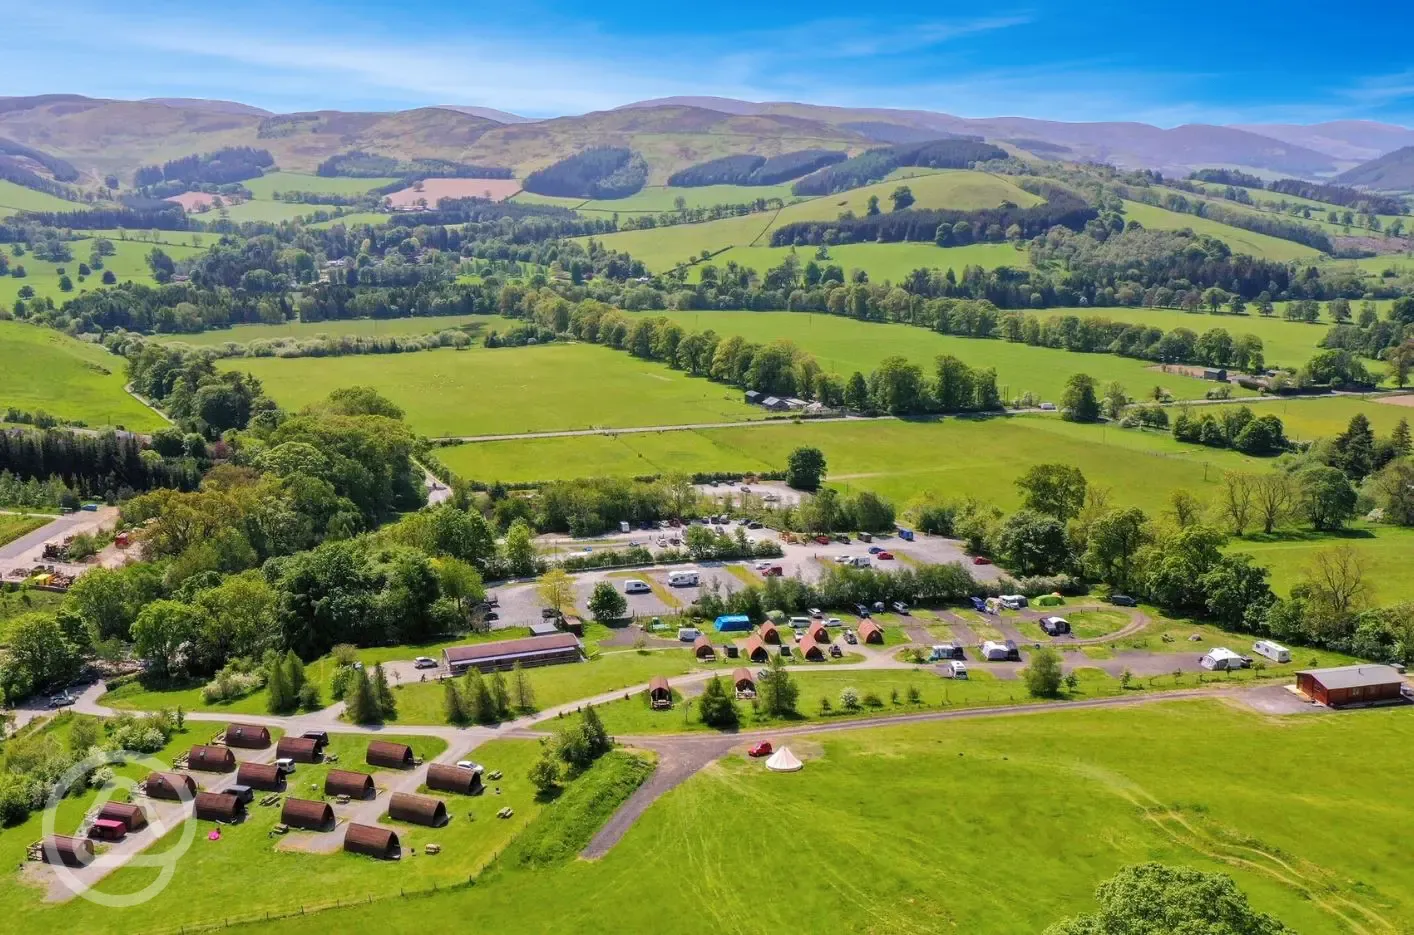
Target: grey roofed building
x,y
1358,676
504,654
776,403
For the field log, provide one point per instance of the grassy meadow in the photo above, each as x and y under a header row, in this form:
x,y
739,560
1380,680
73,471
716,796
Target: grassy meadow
x,y
43,369
844,345
264,188
509,390
360,327
16,198
1241,241
260,210
1386,552
936,808
129,262
354,219
882,261
13,525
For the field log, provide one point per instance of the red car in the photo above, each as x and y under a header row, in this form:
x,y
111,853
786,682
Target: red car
x,y
981,560
885,556
760,749
823,540
775,571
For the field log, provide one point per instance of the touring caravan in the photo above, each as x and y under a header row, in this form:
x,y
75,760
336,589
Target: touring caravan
x,y
683,579
1273,651
1222,659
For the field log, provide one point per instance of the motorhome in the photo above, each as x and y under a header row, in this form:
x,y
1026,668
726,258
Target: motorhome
x,y
683,579
1013,601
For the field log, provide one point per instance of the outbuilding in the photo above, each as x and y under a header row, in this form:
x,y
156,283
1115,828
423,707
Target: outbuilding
x,y
171,786
769,633
390,755
702,649
211,759
744,683
219,806
106,829
871,632
660,695
347,782
247,736
372,841
755,650
267,777
732,623
444,777
775,404
133,817
752,397
299,749
71,852
504,654
1345,686
307,814
417,809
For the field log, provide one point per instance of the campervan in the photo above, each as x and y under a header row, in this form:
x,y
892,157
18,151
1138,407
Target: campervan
x,y
683,579
688,634
636,586
1013,601
955,669
1273,651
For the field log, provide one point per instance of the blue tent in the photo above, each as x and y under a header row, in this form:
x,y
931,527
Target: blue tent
x,y
733,623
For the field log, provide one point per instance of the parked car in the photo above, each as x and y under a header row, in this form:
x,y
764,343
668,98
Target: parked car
x,y
866,537
981,560
850,638
900,607
834,622
759,749
879,607
875,549
770,498
471,765
861,611
822,540
815,612
424,662
1123,600
799,634
775,571
844,560
492,600
842,538
285,765
762,565
979,603
490,615
744,489
753,525
885,556
835,651
636,586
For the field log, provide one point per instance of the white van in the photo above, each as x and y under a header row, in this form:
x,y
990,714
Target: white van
x,y
636,586
1013,601
688,634
955,669
683,579
861,561
1273,651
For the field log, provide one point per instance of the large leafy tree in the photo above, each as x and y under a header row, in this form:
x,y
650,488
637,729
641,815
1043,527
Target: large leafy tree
x,y
1079,401
1054,489
1154,899
805,468
1034,543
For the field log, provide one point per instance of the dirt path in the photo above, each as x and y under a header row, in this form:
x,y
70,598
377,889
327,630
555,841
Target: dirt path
x,y
640,429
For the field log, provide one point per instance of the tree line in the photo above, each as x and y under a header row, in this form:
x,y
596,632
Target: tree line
x,y
363,165
225,165
875,164
597,172
755,170
945,227
109,465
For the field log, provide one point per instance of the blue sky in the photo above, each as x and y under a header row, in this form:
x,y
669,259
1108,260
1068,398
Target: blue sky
x,y
1159,63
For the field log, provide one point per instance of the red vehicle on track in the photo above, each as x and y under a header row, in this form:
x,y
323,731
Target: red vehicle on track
x,y
981,560
885,556
775,571
760,749
823,540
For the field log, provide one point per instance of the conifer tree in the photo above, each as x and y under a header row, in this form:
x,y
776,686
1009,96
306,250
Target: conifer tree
x,y
362,703
452,706
383,695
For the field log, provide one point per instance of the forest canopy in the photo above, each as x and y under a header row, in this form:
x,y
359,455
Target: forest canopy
x,y
877,163
756,170
599,172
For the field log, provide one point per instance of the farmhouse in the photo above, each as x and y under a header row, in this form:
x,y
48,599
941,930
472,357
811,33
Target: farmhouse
x,y
132,816
71,852
349,783
307,814
504,654
417,809
871,632
248,736
702,649
211,759
1344,686
659,694
299,749
172,786
373,841
744,683
443,777
219,806
391,755
755,650
267,777
732,623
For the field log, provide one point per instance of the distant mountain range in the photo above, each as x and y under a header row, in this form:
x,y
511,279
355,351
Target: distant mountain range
x,y
1390,172
111,136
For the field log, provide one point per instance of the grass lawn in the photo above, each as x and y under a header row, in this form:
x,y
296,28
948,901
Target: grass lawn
x,y
1386,550
43,369
509,390
128,263
663,248
952,459
264,187
937,810
13,526
1241,241
844,345
883,261
15,198
362,327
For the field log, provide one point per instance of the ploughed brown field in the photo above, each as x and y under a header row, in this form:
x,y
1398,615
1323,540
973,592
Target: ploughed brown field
x,y
195,201
434,190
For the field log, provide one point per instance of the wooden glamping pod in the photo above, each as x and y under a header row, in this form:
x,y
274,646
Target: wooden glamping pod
x,y
373,841
349,783
417,809
307,814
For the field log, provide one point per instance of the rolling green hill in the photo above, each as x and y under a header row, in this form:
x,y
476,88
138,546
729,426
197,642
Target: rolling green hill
x,y
1241,241
41,369
15,198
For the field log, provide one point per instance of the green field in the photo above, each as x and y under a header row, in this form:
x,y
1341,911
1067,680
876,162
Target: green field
x,y
1241,241
664,248
660,198
1283,342
844,345
509,390
43,369
354,219
1387,552
264,187
883,261
1328,416
15,198
362,327
150,238
12,526
258,210
128,263
953,458
986,826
